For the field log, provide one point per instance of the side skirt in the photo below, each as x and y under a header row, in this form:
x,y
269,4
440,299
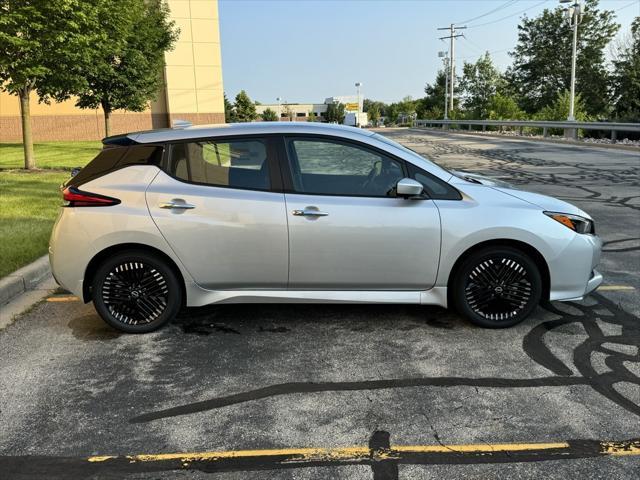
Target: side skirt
x,y
198,297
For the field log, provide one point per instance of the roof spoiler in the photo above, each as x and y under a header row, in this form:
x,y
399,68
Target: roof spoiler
x,y
118,141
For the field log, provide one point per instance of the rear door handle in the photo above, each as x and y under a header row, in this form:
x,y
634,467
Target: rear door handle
x,y
309,213
174,204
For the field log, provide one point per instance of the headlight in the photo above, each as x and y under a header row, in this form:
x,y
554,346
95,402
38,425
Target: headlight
x,y
574,222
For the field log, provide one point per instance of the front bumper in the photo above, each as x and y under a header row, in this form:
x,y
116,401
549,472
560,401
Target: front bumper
x,y
594,282
573,273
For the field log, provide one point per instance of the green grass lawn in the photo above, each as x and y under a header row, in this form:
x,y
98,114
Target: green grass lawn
x,y
50,155
29,201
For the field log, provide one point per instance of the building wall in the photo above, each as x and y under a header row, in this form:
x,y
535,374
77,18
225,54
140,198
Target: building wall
x,y
193,72
192,88
300,110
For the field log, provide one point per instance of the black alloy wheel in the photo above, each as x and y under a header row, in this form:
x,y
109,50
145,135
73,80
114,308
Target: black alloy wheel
x,y
497,287
136,292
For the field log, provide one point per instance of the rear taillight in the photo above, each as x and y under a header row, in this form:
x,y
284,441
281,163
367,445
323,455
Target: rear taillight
x,y
77,198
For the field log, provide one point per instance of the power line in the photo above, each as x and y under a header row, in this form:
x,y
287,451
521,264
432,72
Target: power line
x,y
472,44
490,53
635,2
508,16
504,5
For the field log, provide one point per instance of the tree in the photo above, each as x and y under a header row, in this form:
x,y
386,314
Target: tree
x,y
432,105
229,111
43,46
559,109
391,114
368,104
311,117
407,106
245,108
503,106
374,114
542,58
481,81
335,113
626,77
269,115
126,71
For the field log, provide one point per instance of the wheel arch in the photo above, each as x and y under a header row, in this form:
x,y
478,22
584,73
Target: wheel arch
x,y
524,247
97,259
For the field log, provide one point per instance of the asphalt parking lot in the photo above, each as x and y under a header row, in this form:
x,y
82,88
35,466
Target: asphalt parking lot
x,y
350,391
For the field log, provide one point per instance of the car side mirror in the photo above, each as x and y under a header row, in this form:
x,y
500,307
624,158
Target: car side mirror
x,y
408,188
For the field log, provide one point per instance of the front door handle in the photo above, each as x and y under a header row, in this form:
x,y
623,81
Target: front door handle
x,y
173,204
307,212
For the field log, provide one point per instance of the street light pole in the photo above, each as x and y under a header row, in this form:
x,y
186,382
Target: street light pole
x,y
358,85
573,14
279,109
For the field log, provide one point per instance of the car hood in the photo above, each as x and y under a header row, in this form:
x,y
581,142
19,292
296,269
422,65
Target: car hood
x,y
545,202
484,180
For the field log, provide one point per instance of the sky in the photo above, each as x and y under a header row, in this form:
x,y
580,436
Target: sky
x,y
306,50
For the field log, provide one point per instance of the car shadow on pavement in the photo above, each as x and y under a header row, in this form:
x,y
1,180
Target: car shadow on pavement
x,y
607,330
282,318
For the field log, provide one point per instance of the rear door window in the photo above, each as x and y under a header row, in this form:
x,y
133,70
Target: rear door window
x,y
225,163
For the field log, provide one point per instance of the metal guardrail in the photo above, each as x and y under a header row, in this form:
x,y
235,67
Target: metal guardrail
x,y
570,128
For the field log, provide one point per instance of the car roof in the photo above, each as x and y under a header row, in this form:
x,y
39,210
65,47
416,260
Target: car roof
x,y
228,129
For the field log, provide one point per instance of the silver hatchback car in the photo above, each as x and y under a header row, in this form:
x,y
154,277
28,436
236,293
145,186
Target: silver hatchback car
x,y
292,212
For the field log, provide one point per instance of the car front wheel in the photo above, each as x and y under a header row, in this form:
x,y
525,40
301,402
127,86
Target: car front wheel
x,y
497,287
136,292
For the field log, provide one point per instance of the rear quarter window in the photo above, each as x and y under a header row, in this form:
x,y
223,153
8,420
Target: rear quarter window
x,y
115,158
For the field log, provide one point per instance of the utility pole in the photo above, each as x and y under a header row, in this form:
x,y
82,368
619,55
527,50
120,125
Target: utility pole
x,y
445,61
452,55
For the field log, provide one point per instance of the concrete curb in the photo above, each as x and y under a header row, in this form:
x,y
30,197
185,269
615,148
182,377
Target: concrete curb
x,y
24,279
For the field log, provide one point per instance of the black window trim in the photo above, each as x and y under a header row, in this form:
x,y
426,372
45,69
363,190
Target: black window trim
x,y
413,169
70,181
286,169
273,163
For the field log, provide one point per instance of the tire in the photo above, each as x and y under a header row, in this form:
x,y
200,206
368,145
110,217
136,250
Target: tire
x,y
497,287
136,292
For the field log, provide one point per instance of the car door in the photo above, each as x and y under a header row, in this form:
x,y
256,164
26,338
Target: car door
x,y
347,230
218,206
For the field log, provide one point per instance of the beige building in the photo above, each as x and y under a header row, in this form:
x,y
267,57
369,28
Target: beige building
x,y
300,112
192,88
296,112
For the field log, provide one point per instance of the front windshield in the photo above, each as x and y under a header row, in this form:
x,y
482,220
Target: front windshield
x,y
413,153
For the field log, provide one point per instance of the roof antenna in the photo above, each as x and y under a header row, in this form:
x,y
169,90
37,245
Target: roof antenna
x,y
180,124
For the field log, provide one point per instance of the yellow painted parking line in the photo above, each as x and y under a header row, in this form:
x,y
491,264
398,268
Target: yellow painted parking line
x,y
303,453
620,448
481,447
616,287
360,453
63,299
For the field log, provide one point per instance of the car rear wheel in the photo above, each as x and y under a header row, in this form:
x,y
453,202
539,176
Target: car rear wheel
x,y
136,292
497,287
